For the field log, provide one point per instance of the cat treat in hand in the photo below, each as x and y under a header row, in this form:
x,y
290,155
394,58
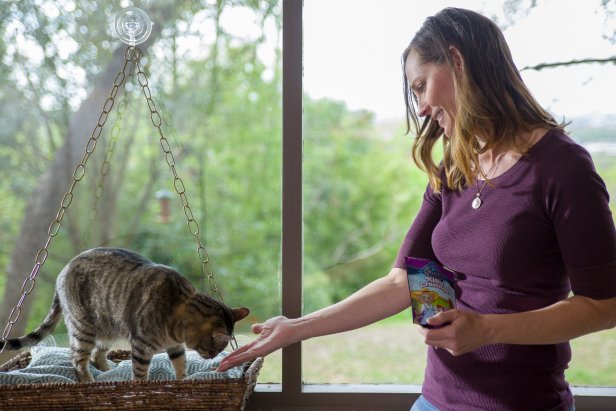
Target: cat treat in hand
x,y
109,294
431,287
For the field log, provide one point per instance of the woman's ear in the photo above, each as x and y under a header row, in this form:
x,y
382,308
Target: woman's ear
x,y
456,56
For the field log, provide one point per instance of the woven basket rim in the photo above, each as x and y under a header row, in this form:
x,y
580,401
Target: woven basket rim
x,y
251,369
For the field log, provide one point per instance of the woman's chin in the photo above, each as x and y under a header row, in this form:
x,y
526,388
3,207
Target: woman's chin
x,y
447,131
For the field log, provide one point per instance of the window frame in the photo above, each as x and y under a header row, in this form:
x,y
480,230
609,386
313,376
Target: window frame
x,y
292,392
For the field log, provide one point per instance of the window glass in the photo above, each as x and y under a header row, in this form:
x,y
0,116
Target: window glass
x,y
360,192
213,72
361,189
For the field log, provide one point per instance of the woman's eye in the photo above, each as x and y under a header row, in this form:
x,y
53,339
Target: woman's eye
x,y
417,90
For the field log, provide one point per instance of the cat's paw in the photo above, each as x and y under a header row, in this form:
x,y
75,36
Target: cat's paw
x,y
104,366
84,377
100,365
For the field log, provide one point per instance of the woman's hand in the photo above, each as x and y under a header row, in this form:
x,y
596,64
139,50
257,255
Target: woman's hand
x,y
465,331
380,299
460,331
275,333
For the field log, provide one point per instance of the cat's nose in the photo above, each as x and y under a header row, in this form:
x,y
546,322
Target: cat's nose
x,y
207,354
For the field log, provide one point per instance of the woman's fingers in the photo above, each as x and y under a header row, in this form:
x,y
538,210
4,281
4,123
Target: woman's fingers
x,y
257,328
239,356
272,337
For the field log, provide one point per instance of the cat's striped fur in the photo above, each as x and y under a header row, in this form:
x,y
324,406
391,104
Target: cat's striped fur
x,y
106,294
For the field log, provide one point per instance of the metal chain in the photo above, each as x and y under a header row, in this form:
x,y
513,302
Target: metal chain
x,y
167,120
116,129
168,124
78,174
178,184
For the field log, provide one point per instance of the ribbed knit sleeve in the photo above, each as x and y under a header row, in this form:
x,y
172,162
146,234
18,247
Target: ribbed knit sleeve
x,y
577,203
418,240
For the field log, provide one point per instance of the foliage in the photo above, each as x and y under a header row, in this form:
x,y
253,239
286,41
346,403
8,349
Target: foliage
x,y
359,195
593,134
222,116
223,111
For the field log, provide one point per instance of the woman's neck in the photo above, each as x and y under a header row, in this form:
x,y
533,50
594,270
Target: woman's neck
x,y
501,158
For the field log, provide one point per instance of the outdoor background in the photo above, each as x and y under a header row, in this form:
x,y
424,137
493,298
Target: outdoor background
x,y
214,71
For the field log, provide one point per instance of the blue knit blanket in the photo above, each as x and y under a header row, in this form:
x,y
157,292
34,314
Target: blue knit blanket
x,y
53,365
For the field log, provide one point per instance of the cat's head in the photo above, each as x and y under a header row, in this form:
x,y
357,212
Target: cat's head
x,y
211,334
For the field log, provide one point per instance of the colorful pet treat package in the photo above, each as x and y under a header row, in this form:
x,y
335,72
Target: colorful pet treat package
x,y
432,289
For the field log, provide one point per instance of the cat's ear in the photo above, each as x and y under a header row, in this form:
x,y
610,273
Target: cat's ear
x,y
221,337
239,313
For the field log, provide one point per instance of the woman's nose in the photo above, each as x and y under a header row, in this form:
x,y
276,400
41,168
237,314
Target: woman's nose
x,y
424,110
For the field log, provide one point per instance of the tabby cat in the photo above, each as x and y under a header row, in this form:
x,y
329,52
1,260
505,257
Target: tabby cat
x,y
107,294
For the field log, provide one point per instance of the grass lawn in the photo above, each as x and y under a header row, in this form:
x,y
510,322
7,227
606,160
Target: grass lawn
x,y
392,352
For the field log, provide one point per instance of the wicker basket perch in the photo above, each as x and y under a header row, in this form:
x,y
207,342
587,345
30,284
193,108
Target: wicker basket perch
x,y
216,394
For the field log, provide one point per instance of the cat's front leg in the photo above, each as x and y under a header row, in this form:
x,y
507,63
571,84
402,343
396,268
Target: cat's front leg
x,y
141,362
177,355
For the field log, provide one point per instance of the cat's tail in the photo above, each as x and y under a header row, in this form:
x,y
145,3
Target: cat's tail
x,y
42,331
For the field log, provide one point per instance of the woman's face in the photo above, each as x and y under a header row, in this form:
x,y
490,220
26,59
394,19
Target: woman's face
x,y
432,85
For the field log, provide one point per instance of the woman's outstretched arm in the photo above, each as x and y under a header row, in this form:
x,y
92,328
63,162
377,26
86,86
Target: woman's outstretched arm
x,y
380,299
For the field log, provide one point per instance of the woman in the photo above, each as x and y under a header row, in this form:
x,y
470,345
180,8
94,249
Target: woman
x,y
515,208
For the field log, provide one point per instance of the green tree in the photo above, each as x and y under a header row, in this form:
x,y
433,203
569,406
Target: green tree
x,y
359,196
62,95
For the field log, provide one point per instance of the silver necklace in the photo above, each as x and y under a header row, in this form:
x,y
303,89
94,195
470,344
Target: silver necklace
x,y
477,200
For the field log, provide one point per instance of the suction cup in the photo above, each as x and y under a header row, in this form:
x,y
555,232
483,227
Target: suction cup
x,y
133,25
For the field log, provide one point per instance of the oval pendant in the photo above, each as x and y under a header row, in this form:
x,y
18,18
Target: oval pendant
x,y
476,203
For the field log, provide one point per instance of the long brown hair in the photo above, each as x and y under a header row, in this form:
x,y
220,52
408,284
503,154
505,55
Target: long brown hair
x,y
493,103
